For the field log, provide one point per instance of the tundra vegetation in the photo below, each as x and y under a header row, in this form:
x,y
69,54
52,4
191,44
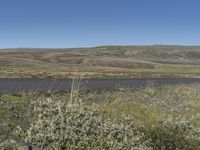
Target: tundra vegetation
x,y
166,118
104,61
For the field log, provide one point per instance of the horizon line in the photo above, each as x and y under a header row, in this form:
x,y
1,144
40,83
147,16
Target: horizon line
x,y
122,45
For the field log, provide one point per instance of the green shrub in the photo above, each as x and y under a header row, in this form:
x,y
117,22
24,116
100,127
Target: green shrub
x,y
62,121
78,126
172,135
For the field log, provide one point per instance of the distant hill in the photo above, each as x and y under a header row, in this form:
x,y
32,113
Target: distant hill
x,y
100,58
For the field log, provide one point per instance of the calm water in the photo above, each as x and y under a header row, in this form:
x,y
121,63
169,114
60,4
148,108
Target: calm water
x,y
61,85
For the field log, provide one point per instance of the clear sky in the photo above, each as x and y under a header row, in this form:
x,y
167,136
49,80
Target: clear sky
x,y
85,23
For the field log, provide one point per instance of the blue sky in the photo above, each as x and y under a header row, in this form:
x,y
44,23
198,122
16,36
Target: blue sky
x,y
85,23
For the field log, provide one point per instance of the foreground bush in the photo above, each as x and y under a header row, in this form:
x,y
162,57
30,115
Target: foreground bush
x,y
171,135
169,120
77,126
64,125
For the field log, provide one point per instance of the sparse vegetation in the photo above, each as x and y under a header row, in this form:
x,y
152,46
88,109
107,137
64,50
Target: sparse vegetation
x,y
105,61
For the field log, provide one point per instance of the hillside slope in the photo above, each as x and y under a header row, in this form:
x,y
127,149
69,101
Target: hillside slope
x,y
157,58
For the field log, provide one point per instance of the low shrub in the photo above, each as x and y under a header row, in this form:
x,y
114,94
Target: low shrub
x,y
78,126
172,135
63,124
159,119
